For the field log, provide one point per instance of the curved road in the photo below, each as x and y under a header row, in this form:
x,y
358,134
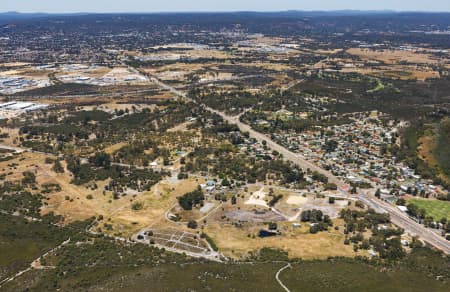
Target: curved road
x,y
277,277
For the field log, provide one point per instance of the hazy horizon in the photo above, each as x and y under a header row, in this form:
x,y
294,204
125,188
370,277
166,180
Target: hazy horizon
x,y
142,6
223,11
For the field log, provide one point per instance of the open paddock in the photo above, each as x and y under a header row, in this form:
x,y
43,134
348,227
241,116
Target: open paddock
x,y
435,208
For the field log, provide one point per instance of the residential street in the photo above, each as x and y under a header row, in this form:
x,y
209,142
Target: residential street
x,y
399,218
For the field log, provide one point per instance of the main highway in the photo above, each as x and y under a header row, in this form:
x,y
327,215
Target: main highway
x,y
398,217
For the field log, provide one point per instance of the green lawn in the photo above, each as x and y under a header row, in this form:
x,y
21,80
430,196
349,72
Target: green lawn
x,y
435,208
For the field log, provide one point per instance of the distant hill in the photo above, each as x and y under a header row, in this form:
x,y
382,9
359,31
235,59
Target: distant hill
x,y
7,17
340,16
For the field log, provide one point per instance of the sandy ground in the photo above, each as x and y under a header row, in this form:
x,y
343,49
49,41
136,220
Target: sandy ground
x,y
16,64
120,75
195,53
425,150
257,198
156,202
113,148
72,202
235,242
270,66
395,71
180,127
393,56
27,73
296,200
12,140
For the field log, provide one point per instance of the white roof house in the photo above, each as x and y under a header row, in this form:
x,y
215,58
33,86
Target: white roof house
x,y
403,208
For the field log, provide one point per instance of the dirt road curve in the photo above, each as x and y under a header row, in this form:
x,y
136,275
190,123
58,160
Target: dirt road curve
x,y
277,277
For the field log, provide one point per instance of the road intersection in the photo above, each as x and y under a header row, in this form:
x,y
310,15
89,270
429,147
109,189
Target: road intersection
x,y
398,217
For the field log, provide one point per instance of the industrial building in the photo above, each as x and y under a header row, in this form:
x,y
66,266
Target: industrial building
x,y
15,108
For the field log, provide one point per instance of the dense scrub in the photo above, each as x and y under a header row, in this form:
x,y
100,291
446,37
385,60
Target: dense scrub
x,y
442,151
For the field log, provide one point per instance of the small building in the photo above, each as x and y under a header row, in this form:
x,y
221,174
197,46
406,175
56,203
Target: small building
x,y
403,208
211,183
210,189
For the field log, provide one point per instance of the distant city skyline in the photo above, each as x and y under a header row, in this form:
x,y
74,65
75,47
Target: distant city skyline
x,y
105,6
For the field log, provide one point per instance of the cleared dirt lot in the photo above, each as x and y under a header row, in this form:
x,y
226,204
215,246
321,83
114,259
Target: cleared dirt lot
x,y
253,216
73,201
425,150
160,198
427,144
393,56
297,241
28,73
396,72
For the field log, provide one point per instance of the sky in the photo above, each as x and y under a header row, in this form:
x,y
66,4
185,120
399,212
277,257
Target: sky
x,y
105,6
